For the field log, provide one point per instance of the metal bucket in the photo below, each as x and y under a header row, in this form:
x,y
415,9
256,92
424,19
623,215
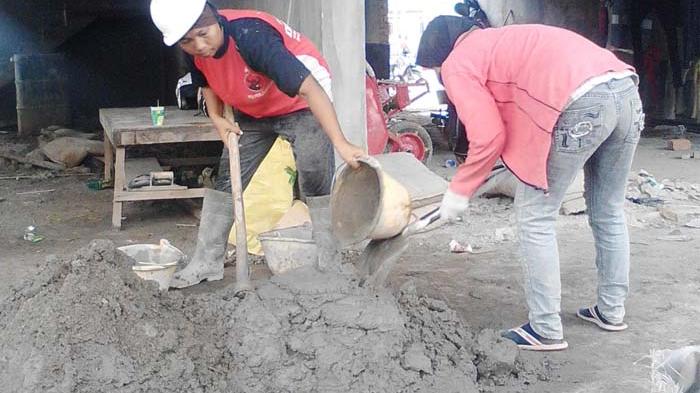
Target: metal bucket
x,y
366,203
289,248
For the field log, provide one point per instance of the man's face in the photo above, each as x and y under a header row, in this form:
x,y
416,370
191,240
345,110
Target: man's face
x,y
203,41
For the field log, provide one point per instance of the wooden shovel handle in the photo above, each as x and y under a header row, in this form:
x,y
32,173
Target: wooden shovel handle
x,y
242,273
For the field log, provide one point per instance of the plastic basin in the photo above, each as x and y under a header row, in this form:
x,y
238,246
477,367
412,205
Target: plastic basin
x,y
163,254
155,262
158,273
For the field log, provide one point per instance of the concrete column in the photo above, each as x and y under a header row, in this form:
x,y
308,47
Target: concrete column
x,y
343,45
337,27
377,36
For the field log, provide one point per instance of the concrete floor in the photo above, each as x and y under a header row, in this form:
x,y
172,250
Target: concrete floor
x,y
484,288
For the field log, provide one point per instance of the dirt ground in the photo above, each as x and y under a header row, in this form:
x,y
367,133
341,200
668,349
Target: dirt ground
x,y
484,288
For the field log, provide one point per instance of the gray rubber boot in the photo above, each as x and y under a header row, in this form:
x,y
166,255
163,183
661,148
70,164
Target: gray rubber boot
x,y
207,263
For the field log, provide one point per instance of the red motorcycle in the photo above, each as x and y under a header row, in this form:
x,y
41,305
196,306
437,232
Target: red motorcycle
x,y
386,131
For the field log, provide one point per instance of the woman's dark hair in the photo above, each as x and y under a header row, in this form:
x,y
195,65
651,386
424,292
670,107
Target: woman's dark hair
x,y
439,38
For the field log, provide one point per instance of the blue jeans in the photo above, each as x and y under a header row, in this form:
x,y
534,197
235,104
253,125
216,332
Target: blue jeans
x,y
598,132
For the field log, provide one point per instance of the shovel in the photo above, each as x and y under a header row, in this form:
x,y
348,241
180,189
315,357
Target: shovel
x,y
380,256
243,283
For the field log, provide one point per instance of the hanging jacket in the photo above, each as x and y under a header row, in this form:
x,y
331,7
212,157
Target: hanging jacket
x,y
510,85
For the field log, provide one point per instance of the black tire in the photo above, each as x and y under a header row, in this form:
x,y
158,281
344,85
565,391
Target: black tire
x,y
402,127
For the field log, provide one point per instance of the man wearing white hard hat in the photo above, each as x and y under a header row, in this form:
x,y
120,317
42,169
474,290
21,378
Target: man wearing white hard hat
x,y
271,75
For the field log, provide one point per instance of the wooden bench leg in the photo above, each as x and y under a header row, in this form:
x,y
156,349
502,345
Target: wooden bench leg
x,y
119,183
109,159
117,215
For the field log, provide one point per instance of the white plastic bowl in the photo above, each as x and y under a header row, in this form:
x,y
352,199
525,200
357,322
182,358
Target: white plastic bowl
x,y
163,254
155,262
161,274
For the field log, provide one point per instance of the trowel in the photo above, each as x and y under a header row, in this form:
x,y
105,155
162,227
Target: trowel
x,y
380,256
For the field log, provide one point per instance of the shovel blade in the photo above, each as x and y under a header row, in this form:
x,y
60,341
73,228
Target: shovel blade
x,y
379,257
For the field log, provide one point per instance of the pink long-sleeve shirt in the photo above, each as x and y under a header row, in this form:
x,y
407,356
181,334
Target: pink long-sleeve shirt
x,y
509,86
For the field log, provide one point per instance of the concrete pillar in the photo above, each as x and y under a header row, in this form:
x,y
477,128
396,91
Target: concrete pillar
x,y
377,36
337,27
343,37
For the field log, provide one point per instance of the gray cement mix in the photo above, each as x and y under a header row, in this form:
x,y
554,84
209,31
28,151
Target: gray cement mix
x,y
89,324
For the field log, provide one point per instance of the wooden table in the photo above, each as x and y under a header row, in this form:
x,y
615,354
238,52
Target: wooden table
x,y
131,127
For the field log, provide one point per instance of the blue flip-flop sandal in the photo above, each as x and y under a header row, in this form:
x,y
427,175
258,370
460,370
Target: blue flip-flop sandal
x,y
592,314
526,338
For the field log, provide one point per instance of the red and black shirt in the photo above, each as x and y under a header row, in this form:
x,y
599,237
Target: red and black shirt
x,y
261,65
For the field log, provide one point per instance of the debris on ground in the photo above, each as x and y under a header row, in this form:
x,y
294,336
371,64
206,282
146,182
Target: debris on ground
x,y
89,324
52,132
59,148
31,236
30,161
666,131
677,203
502,182
676,236
680,145
504,234
676,371
71,151
458,248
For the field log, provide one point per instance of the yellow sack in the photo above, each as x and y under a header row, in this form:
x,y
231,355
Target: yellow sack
x,y
269,194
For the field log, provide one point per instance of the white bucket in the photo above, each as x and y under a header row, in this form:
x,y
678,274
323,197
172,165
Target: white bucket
x,y
155,262
158,273
163,254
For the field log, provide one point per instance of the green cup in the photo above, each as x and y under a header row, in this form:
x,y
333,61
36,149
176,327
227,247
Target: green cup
x,y
157,115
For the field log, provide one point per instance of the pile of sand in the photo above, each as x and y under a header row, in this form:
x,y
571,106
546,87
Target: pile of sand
x,y
89,324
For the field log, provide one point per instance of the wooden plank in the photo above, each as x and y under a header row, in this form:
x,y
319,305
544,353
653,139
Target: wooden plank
x,y
38,163
132,196
132,126
173,134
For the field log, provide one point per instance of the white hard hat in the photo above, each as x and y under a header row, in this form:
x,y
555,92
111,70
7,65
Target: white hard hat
x,y
174,18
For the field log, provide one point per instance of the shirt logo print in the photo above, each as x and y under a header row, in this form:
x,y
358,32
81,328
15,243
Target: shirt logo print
x,y
256,84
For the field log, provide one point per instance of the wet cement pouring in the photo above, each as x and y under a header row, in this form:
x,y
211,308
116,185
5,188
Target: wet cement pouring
x,y
89,324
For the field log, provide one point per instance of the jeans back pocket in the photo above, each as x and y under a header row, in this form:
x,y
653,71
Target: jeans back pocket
x,y
577,129
637,120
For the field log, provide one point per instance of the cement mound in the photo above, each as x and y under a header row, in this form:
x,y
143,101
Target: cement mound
x,y
89,324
